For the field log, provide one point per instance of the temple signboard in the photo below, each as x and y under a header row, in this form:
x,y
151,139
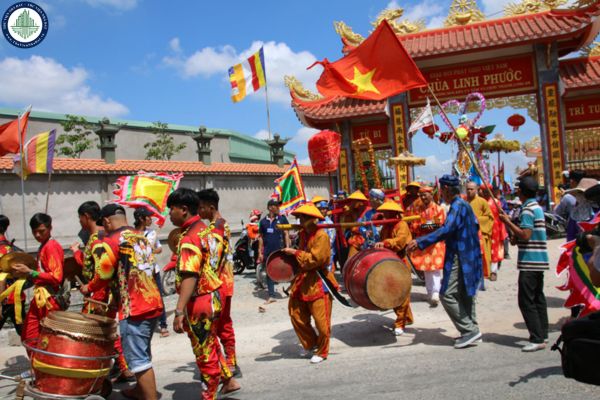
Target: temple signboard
x,y
493,78
582,112
378,134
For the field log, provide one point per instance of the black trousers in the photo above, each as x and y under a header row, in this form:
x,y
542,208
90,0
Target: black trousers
x,y
8,311
532,304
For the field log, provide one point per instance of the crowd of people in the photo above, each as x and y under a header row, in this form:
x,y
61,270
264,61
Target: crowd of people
x,y
456,239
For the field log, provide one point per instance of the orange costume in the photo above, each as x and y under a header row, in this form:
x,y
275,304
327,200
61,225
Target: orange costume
x,y
482,211
431,258
47,280
498,234
396,238
308,295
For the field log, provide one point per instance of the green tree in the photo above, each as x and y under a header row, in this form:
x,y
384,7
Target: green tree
x,y
164,147
75,139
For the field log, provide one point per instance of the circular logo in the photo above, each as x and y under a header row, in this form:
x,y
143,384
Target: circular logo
x,y
25,24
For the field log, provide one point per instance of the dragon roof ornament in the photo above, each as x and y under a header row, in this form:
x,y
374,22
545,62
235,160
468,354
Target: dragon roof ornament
x,y
298,90
532,6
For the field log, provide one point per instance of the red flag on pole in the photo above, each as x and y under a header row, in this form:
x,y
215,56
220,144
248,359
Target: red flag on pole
x,y
377,69
9,135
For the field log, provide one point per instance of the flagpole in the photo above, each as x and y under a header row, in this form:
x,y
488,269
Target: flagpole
x,y
48,192
267,100
22,179
464,148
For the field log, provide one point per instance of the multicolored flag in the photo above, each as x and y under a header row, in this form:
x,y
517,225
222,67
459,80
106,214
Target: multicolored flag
x,y
290,189
10,140
149,190
248,76
38,155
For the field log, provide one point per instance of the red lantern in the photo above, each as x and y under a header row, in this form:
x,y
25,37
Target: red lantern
x,y
430,130
324,151
516,120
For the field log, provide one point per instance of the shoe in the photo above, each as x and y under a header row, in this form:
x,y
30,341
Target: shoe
x,y
164,332
435,300
26,374
316,359
237,372
466,340
546,340
398,331
531,347
493,277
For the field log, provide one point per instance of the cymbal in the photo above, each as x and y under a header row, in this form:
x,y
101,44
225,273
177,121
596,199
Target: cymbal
x,y
7,261
173,239
71,268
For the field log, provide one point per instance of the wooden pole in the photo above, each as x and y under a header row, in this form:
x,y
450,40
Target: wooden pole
x,y
22,179
48,192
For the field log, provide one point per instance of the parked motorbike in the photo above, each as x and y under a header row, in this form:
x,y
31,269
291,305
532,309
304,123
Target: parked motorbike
x,y
167,277
556,226
245,252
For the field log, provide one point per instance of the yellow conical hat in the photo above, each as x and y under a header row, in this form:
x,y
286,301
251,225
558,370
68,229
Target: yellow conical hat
x,y
317,199
390,205
308,209
358,195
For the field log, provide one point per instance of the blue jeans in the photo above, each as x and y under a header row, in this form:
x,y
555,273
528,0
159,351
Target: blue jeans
x,y
163,316
270,286
136,336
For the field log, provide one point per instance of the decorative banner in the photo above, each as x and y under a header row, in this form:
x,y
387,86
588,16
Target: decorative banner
x,y
378,134
149,190
579,284
400,142
289,189
344,172
582,112
496,77
553,135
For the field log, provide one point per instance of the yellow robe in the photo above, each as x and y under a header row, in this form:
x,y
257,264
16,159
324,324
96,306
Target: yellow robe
x,y
484,215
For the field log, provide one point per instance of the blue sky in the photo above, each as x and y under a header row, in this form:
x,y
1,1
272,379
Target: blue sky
x,y
155,60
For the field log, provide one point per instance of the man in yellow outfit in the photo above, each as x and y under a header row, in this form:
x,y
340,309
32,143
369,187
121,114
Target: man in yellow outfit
x,y
309,296
484,215
396,237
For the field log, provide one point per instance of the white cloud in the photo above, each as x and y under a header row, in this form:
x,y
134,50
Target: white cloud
x,y
433,167
121,5
262,134
50,86
302,135
280,60
494,6
304,161
175,45
431,11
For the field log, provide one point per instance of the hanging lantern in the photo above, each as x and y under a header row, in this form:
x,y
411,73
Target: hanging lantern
x,y
430,130
462,132
516,120
324,151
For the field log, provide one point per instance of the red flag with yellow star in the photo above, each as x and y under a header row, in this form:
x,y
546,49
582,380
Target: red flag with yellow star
x,y
377,69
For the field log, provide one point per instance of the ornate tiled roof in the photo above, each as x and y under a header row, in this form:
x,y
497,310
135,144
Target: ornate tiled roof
x,y
579,73
96,166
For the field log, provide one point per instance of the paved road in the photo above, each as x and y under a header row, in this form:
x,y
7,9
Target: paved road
x,y
367,361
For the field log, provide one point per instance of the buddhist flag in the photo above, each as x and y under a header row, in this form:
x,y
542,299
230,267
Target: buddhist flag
x,y
149,190
38,154
377,69
290,189
424,119
9,134
247,77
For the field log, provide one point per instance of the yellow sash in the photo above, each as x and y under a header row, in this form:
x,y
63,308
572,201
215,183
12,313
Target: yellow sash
x,y
16,287
69,372
41,296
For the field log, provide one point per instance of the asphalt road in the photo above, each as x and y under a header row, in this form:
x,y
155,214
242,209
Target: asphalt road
x,y
367,361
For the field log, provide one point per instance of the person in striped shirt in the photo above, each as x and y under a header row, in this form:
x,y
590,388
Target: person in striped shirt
x,y
532,261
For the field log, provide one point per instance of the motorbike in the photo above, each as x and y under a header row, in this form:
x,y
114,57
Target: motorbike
x,y
168,277
556,226
245,253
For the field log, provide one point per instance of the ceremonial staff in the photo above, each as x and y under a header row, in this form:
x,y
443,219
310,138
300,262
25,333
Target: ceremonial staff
x,y
344,225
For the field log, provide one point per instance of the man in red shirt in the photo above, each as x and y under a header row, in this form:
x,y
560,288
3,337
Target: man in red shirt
x,y
8,308
199,304
47,277
124,262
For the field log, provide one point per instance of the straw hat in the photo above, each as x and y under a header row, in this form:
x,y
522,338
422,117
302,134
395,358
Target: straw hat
x,y
390,206
583,185
318,199
358,195
308,209
414,184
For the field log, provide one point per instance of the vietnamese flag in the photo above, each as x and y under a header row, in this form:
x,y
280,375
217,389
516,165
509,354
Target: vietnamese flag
x,y
9,134
377,69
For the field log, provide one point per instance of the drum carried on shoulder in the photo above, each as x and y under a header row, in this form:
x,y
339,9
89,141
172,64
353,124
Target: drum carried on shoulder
x,y
377,279
73,354
282,267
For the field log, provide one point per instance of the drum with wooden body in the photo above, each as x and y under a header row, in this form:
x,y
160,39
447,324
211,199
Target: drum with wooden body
x,y
377,279
282,267
73,354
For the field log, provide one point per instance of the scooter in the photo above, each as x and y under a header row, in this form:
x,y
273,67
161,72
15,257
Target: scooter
x,y
556,226
168,276
245,252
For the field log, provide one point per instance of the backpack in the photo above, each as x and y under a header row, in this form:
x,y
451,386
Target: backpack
x,y
580,349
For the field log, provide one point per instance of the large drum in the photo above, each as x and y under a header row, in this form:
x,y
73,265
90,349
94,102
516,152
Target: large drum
x,y
377,279
73,354
282,267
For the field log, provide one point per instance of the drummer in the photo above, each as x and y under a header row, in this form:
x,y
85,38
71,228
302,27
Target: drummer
x,y
323,205
47,276
396,237
357,206
308,295
8,306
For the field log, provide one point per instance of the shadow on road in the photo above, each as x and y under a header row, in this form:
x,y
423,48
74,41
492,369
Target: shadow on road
x,y
538,373
504,340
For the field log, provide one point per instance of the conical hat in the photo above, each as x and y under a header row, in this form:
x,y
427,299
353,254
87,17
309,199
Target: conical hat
x,y
390,206
308,209
317,199
358,195
414,184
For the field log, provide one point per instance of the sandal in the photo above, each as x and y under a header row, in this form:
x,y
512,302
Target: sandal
x,y
164,332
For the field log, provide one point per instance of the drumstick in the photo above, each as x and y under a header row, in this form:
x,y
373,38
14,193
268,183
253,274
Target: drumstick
x,y
89,299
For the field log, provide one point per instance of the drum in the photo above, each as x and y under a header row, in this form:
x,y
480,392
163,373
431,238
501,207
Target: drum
x,y
73,354
281,267
377,279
